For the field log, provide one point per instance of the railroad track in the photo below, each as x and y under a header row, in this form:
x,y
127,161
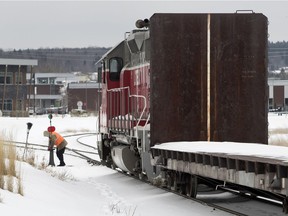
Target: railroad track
x,y
233,202
77,152
224,199
213,206
204,201
80,152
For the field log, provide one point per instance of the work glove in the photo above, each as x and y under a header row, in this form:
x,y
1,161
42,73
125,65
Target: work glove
x,y
50,147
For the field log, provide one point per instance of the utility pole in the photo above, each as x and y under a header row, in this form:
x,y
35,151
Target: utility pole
x,y
51,129
29,126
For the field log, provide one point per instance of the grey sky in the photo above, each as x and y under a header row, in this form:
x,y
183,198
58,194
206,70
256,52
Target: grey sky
x,y
49,24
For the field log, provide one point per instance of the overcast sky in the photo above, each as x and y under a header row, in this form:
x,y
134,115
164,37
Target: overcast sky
x,y
69,24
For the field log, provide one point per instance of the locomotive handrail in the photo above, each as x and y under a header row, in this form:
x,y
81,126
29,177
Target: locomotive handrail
x,y
142,112
144,140
118,90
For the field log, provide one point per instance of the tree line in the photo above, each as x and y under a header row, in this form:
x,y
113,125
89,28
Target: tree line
x,y
59,60
277,55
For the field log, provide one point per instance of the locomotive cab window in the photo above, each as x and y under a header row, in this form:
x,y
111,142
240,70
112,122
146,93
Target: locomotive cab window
x,y
115,67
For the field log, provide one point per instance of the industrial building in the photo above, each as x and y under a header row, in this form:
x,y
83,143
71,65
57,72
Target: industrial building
x,y
278,94
14,88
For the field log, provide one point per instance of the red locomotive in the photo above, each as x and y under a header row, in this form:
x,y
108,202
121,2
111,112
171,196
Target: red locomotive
x,y
125,108
183,77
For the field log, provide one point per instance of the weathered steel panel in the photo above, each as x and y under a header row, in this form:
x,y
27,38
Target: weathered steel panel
x,y
178,65
208,77
239,94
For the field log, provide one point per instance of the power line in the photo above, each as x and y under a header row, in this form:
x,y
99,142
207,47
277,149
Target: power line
x,y
51,51
58,57
277,55
280,48
284,52
54,54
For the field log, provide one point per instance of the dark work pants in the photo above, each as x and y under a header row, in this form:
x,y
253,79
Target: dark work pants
x,y
59,154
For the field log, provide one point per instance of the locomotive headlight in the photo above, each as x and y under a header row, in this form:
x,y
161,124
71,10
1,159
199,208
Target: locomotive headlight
x,y
142,23
148,134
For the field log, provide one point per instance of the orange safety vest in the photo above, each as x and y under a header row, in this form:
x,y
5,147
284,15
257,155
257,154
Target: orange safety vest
x,y
59,138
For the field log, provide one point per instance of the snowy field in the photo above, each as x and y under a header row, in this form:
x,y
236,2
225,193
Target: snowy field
x,y
93,190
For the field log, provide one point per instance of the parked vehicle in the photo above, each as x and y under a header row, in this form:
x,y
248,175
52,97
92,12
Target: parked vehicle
x,y
38,110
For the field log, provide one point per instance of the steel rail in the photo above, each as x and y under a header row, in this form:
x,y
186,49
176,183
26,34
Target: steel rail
x,y
44,146
214,206
244,192
90,146
45,149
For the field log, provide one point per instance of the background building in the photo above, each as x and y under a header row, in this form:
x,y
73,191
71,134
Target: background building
x,y
60,92
13,91
278,94
85,96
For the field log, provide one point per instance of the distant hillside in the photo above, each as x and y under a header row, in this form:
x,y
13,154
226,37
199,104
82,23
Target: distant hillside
x,y
60,60
277,55
83,59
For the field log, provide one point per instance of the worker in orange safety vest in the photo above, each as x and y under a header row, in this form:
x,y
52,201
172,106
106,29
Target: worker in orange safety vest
x,y
60,143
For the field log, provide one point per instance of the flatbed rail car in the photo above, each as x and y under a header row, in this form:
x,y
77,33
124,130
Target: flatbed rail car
x,y
183,77
260,167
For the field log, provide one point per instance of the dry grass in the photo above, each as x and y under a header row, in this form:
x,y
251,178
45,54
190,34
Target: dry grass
x,y
2,182
278,131
30,157
63,175
119,208
20,189
43,164
10,183
3,170
278,137
9,179
278,140
12,155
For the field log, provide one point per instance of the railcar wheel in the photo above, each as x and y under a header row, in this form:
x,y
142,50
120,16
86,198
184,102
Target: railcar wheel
x,y
169,182
184,181
109,162
191,186
142,176
174,186
285,205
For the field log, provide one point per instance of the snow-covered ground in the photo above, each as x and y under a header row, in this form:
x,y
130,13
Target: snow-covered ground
x,y
90,190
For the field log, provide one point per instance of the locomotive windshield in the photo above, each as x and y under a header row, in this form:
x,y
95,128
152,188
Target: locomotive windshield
x,y
115,67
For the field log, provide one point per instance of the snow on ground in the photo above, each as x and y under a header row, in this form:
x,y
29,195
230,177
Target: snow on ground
x,y
89,190
278,129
